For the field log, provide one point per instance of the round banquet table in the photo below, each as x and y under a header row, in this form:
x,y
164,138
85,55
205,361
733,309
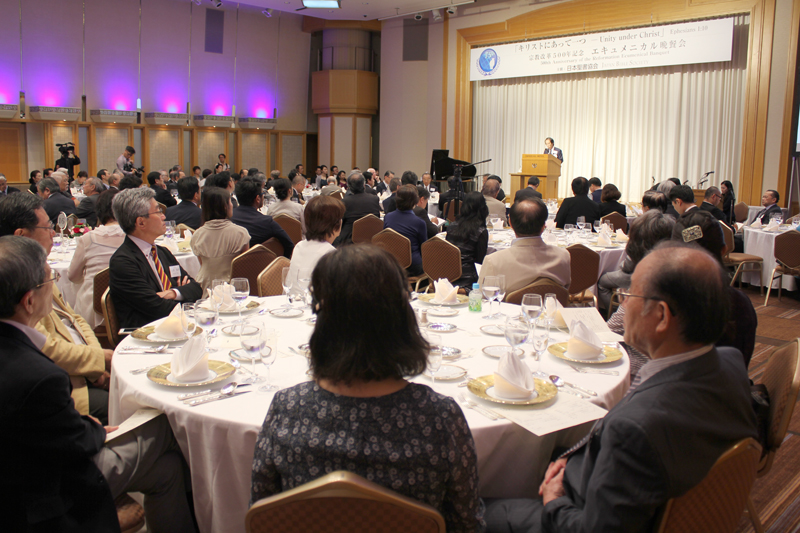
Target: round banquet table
x,y
762,243
218,438
753,210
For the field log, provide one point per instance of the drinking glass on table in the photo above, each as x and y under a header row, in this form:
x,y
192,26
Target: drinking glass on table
x,y
550,308
206,314
286,283
517,331
501,293
778,217
531,307
434,355
252,340
188,323
269,352
490,290
58,241
581,223
304,282
241,290
540,338
495,222
170,229
597,225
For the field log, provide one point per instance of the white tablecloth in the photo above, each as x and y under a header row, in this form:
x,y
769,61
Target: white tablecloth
x,y
753,210
762,243
218,438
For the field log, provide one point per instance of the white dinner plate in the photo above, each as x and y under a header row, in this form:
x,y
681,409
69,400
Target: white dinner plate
x,y
498,350
447,373
495,330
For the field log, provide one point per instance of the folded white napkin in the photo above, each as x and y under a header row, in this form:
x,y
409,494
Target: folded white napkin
x,y
170,245
603,239
498,224
271,190
223,294
190,362
187,236
583,342
513,379
550,224
554,312
172,326
445,292
621,237
756,223
772,226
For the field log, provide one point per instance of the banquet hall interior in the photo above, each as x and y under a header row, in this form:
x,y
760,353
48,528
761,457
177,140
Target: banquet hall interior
x,y
287,86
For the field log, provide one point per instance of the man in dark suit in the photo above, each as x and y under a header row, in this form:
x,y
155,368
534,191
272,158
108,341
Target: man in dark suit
x,y
501,195
187,211
369,183
682,199
552,150
428,183
421,210
62,476
530,191
383,186
390,204
260,227
5,190
710,201
54,201
579,205
146,281
87,209
359,204
596,189
769,200
686,407
160,189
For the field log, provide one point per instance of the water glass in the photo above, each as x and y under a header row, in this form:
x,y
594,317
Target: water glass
x,y
517,332
252,340
540,338
531,307
550,308
58,241
170,224
286,283
269,352
188,323
241,290
597,225
434,356
304,282
206,314
490,290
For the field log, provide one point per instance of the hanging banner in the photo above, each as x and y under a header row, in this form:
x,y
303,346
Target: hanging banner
x,y
706,41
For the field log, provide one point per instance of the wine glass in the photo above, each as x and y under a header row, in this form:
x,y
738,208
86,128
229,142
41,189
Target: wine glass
x,y
170,229
550,308
188,324
531,307
501,293
581,222
490,289
252,340
58,240
517,331
540,338
597,225
286,283
269,352
495,221
434,356
304,282
778,218
241,290
206,314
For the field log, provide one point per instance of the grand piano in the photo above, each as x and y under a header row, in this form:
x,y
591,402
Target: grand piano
x,y
443,166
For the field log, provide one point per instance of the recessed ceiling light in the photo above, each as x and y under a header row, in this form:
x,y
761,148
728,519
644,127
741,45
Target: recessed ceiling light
x,y
324,4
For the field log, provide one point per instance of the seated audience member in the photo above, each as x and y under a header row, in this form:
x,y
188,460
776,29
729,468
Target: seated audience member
x,y
92,254
248,215
156,181
80,178
596,190
285,205
609,201
146,282
530,191
72,347
36,177
365,370
622,473
5,190
769,200
172,183
710,201
383,186
218,240
682,199
131,182
579,205
452,193
728,202
62,179
223,180
409,178
645,232
390,204
319,178
330,188
369,183
357,205
497,209
62,476
428,183
323,224
528,258
187,211
87,208
406,223
207,172
501,195
469,233
54,202
421,210
114,179
341,179
654,200
298,186
103,175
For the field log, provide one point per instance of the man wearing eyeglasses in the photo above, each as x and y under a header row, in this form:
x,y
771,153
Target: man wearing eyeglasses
x,y
687,406
146,281
710,201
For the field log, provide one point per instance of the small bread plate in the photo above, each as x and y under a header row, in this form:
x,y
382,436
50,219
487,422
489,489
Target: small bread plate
x,y
461,299
442,327
447,373
495,330
148,334
449,353
235,330
249,307
498,350
483,388
442,311
241,355
217,371
286,312
609,354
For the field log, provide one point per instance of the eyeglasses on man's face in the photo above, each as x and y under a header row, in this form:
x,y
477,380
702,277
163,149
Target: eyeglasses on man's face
x,y
54,278
624,295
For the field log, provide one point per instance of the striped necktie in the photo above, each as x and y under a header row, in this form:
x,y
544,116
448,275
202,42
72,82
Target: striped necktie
x,y
162,276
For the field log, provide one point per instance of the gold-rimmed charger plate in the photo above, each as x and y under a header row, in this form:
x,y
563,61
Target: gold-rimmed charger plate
x,y
428,299
609,354
249,307
218,371
143,334
545,391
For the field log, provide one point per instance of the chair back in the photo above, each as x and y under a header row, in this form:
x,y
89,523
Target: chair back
x,y
787,249
73,217
441,259
291,226
727,232
782,379
716,504
396,244
740,212
452,209
274,245
111,320
366,227
99,286
584,266
541,286
269,280
182,229
249,265
338,194
162,207
342,502
616,221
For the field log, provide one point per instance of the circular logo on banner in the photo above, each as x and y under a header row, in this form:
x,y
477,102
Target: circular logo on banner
x,y
488,62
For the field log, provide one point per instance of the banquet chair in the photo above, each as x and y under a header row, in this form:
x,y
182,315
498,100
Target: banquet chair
x,y
249,265
616,221
452,208
740,212
342,502
366,227
182,229
738,260
782,379
440,259
129,514
338,194
716,504
274,245
111,320
73,217
269,280
400,247
584,266
162,207
787,257
99,286
291,226
542,285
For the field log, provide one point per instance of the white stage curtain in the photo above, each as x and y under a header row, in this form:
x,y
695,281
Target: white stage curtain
x,y
623,126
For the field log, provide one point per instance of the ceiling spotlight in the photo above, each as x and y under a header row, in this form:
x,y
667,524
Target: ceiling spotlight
x,y
197,2
437,14
452,10
418,16
217,3
267,12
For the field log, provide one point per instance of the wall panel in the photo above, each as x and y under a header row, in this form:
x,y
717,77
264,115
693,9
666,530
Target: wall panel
x,y
111,142
291,152
254,151
343,139
256,63
165,149
209,145
10,53
165,55
210,70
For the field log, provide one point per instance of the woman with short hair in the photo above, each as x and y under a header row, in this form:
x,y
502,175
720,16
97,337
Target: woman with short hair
x,y
323,217
609,201
406,223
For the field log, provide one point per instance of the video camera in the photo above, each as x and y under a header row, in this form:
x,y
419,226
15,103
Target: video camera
x,y
66,148
137,171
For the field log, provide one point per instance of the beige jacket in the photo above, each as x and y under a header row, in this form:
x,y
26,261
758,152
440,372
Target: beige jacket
x,y
496,208
80,362
526,260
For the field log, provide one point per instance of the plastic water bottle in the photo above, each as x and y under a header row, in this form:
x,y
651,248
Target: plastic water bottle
x,y
475,298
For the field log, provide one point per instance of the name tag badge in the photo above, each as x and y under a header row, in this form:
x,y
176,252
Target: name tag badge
x,y
175,271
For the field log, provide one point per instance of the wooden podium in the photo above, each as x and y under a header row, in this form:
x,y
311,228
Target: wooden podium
x,y
545,167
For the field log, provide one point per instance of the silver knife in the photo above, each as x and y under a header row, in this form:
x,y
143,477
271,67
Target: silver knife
x,y
190,395
585,391
145,369
214,398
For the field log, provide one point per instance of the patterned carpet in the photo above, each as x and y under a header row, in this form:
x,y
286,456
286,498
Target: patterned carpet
x,y
777,495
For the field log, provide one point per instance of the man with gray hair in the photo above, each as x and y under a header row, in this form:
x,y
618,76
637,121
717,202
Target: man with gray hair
x,y
5,190
710,201
87,209
54,201
330,188
497,209
298,185
357,205
146,281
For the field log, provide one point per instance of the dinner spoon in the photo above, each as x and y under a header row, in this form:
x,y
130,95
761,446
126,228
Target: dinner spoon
x,y
157,349
226,390
558,382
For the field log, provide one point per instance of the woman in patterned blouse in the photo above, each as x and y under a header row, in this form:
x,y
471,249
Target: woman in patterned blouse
x,y
360,414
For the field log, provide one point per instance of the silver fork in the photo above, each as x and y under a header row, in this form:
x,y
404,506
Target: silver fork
x,y
593,371
469,404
